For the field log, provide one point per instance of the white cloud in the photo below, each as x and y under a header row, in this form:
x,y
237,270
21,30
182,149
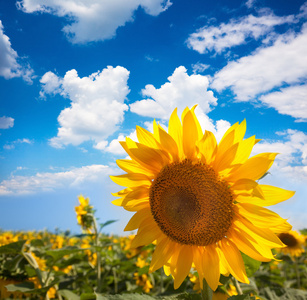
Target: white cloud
x,y
250,3
199,68
10,65
51,84
97,104
93,20
283,63
44,182
6,122
180,91
290,101
12,145
227,35
114,146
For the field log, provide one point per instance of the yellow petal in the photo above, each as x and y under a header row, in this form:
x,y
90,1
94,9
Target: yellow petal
x,y
211,266
198,261
223,162
244,150
167,270
285,227
162,253
131,179
131,166
274,195
245,246
136,205
147,138
229,130
190,136
208,146
183,266
175,131
153,158
147,233
271,195
247,187
138,218
199,130
262,236
259,216
263,249
131,144
156,130
139,192
234,260
185,111
122,192
233,135
254,168
168,144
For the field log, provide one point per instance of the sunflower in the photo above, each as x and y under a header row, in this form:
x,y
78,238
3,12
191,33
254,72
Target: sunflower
x,y
294,242
84,213
199,201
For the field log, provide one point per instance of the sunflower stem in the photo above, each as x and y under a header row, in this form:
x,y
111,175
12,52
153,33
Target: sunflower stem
x,y
237,286
206,292
297,273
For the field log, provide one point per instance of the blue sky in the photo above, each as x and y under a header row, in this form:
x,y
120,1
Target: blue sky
x,y
77,76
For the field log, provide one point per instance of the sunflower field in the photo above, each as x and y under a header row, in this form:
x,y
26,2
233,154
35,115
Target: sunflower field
x,y
93,265
202,228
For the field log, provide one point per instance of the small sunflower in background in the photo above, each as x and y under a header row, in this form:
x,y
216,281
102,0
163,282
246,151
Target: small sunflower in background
x,y
85,213
294,242
199,201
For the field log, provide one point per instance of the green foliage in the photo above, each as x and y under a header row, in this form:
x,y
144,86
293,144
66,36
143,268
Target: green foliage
x,y
251,265
64,266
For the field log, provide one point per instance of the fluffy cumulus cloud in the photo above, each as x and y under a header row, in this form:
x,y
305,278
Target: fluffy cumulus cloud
x,y
97,104
227,35
44,182
6,122
282,64
10,62
289,101
93,20
180,91
114,146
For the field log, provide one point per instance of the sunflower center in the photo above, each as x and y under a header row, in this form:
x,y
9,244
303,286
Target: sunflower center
x,y
288,239
190,204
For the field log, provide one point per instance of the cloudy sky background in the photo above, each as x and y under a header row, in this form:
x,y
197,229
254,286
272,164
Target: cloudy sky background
x,y
77,76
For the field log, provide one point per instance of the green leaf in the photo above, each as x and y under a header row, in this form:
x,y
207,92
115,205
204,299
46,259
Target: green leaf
x,y
100,297
29,287
143,270
88,296
37,243
294,294
239,297
12,248
251,265
102,225
30,271
57,254
24,287
67,294
127,297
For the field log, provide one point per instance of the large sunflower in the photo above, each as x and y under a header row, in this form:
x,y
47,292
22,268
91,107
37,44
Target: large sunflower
x,y
199,200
